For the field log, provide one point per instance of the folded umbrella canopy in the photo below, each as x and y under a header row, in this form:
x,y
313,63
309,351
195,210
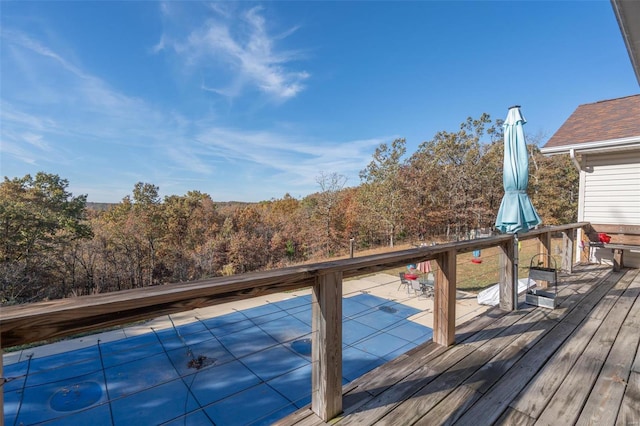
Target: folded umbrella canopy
x,y
516,213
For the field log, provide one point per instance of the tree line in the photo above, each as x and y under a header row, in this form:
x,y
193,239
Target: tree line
x,y
54,246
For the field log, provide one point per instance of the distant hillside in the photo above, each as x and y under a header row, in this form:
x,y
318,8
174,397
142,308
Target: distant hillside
x,y
223,206
101,207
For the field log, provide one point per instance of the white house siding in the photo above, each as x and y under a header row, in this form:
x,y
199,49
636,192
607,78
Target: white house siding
x,y
611,194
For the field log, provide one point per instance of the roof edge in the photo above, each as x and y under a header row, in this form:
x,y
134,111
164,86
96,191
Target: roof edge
x,y
624,15
608,145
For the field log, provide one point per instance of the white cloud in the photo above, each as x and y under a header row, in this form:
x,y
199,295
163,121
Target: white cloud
x,y
295,159
241,48
59,118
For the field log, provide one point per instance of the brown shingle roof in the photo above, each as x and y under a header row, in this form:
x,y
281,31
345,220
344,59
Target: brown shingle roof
x,y
600,121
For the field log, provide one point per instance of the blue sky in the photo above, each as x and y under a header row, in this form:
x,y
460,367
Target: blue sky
x,y
250,101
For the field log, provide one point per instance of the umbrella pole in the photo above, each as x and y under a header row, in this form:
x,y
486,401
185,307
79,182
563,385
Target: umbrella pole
x,y
516,255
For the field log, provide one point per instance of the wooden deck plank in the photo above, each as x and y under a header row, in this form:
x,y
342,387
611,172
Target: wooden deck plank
x,y
494,402
512,339
383,403
576,363
496,367
629,413
298,417
382,407
465,335
388,399
376,381
459,396
603,283
400,367
490,406
513,417
379,407
566,405
605,398
411,410
537,394
602,310
492,371
572,393
462,397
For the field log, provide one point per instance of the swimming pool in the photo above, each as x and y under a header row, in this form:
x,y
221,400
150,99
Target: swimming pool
x,y
249,367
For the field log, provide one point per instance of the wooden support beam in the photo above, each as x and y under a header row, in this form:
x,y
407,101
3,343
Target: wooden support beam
x,y
544,248
326,349
544,252
618,260
444,304
507,250
2,388
568,243
584,245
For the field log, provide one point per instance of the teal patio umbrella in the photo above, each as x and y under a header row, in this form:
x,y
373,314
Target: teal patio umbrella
x,y
516,213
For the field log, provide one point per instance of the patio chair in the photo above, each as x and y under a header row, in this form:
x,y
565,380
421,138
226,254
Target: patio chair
x,y
419,289
428,284
404,281
429,280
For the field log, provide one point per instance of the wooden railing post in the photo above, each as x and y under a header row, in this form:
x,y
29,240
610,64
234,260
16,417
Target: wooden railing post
x,y
583,235
444,304
326,350
1,388
544,250
568,243
507,252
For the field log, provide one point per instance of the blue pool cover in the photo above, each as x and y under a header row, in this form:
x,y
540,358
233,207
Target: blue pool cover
x,y
250,367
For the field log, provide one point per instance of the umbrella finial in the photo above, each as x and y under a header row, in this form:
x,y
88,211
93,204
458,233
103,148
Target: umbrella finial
x,y
514,106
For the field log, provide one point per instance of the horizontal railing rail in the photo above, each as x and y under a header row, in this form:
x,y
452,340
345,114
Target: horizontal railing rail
x,y
24,324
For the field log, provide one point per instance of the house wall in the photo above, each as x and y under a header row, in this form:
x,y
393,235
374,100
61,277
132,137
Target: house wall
x,y
610,194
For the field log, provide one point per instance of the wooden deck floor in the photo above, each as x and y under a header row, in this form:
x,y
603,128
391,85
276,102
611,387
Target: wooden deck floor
x,y
576,364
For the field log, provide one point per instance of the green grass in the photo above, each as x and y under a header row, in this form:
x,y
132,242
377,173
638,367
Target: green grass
x,y
475,277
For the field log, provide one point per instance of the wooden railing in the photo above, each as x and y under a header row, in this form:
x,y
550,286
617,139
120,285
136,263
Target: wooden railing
x,y
36,322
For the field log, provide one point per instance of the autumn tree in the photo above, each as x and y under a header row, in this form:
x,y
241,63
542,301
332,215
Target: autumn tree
x,y
382,191
124,247
247,239
150,224
51,247
135,227
554,191
290,230
448,178
348,224
39,218
191,222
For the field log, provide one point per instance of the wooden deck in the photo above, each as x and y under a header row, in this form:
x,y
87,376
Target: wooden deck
x,y
576,364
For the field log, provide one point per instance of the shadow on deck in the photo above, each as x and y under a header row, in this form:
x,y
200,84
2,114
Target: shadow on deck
x,y
577,363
